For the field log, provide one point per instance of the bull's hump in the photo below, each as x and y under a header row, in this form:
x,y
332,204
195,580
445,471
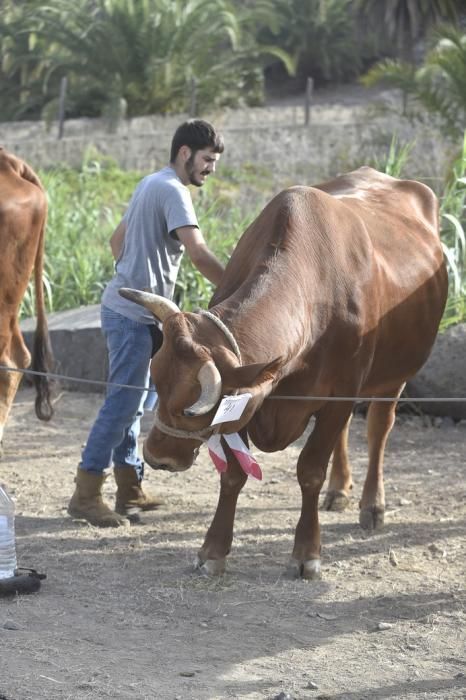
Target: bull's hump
x,y
358,183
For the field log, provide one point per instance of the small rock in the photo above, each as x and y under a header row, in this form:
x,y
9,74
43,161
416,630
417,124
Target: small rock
x,y
381,626
327,616
283,696
9,625
435,549
392,558
312,686
404,502
460,675
187,674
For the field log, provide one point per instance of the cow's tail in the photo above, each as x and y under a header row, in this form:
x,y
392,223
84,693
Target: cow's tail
x,y
42,356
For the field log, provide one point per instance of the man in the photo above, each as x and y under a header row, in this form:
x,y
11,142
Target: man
x,y
159,224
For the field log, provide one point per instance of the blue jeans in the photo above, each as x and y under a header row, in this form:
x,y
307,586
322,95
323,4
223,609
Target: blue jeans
x,y
114,435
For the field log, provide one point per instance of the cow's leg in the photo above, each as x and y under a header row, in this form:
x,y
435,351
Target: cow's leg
x,y
17,357
340,482
217,543
9,382
311,470
380,420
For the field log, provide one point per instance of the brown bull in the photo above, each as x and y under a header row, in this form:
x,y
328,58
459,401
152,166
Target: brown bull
x,y
333,291
23,213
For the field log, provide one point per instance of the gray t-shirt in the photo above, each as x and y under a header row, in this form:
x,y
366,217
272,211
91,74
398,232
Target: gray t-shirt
x,y
151,253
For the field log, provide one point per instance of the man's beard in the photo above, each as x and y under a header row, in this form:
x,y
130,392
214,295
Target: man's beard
x,y
189,166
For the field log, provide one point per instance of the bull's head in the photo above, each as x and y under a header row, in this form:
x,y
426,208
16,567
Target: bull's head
x,y
192,370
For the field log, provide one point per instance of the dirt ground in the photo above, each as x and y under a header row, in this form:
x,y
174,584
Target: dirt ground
x,y
122,615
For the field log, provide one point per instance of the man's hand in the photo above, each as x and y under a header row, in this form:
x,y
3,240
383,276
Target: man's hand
x,y
200,254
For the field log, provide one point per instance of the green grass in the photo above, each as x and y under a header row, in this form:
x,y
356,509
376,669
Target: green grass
x,y
86,205
453,227
84,208
452,197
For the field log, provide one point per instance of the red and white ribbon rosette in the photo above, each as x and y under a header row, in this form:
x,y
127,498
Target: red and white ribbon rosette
x,y
246,461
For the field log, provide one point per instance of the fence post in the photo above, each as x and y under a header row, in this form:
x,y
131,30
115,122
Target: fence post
x,y
308,97
61,107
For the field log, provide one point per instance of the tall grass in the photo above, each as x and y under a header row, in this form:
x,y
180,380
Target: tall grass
x,y
86,205
452,223
84,208
394,161
453,228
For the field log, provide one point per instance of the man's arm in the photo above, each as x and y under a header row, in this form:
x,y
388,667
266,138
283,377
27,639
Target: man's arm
x,y
201,256
117,238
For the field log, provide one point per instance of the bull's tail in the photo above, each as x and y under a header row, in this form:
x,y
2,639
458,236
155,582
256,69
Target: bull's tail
x,y
42,356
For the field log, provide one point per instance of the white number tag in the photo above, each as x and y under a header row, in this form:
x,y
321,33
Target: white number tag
x,y
231,408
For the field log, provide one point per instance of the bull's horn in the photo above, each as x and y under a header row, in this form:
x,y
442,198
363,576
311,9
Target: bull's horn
x,y
159,306
211,388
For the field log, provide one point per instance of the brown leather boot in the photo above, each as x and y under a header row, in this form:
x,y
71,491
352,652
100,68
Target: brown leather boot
x,y
86,502
130,498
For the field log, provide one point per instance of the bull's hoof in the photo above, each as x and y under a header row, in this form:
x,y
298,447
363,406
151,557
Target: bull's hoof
x,y
309,569
336,501
210,567
371,518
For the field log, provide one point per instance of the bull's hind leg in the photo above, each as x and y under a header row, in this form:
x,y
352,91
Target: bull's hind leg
x,y
217,544
312,468
380,420
340,482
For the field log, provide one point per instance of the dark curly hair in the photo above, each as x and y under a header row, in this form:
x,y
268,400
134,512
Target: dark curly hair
x,y
196,134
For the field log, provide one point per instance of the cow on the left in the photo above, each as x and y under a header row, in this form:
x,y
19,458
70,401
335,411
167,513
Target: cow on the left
x,y
23,214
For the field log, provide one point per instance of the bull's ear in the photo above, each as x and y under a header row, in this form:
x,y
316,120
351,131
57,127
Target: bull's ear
x,y
250,376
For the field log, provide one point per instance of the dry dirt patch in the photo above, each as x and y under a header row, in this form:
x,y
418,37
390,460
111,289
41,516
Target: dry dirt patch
x,y
122,616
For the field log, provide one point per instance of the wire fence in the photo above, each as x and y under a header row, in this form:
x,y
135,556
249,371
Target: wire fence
x,y
98,382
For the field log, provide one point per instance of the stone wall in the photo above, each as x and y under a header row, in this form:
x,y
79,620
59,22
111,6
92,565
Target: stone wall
x,y
337,138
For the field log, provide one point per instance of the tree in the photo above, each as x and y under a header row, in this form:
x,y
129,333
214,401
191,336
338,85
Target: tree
x,y
321,35
401,22
438,85
20,84
144,55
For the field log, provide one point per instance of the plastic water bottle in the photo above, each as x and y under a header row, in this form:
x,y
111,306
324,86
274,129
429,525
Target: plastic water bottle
x,y
7,536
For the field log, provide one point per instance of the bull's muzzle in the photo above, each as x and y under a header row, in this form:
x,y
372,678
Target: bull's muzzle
x,y
166,464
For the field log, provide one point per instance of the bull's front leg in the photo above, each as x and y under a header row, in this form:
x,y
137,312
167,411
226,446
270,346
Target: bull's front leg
x,y
217,544
311,471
